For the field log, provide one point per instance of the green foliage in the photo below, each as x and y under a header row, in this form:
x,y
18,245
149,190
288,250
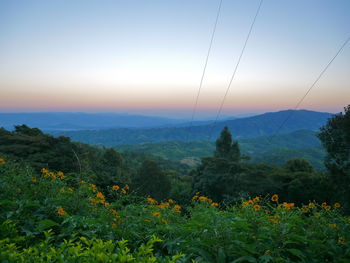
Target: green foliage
x,y
335,137
298,165
152,181
82,250
40,222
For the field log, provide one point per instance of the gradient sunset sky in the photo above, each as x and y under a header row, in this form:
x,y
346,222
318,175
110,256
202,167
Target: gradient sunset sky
x,y
147,56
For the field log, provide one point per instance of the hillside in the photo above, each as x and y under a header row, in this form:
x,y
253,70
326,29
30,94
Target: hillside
x,y
259,125
273,150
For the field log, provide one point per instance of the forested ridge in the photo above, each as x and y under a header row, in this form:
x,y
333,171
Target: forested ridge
x,y
250,127
62,200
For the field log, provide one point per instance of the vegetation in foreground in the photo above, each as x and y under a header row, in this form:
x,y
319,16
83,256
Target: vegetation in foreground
x,y
53,217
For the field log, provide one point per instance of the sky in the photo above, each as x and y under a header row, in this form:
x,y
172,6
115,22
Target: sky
x,y
147,56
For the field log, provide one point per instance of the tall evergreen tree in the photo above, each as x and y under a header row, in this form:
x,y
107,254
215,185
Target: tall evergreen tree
x,y
227,148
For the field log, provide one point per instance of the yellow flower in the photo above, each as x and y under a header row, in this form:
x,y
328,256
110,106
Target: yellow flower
x,y
105,204
151,201
177,208
2,161
195,197
256,199
44,171
60,211
312,205
337,205
328,207
61,175
341,240
164,221
123,191
62,190
214,204
257,207
115,187
267,252
34,180
156,214
70,190
245,203
93,188
100,195
324,204
288,205
127,187
274,198
202,198
171,201
114,224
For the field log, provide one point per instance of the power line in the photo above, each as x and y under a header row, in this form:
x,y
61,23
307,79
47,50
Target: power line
x,y
237,65
310,88
205,65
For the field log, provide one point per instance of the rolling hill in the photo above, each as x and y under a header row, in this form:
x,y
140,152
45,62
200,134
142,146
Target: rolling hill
x,y
260,125
273,150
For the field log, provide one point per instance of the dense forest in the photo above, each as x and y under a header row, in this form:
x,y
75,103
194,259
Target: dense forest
x,y
64,201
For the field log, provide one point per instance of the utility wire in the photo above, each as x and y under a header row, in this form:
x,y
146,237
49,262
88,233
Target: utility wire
x,y
311,87
205,65
236,67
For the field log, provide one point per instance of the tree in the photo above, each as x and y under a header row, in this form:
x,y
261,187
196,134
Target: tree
x,y
298,165
152,181
110,169
227,148
218,176
335,137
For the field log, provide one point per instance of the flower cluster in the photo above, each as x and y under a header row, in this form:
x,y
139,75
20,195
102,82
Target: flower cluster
x,y
124,190
253,202
204,199
49,174
99,199
326,206
165,205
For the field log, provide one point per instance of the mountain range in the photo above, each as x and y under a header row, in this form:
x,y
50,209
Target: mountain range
x,y
71,121
266,124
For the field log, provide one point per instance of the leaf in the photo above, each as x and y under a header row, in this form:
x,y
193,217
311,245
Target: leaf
x,y
296,252
221,258
45,224
244,259
266,258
